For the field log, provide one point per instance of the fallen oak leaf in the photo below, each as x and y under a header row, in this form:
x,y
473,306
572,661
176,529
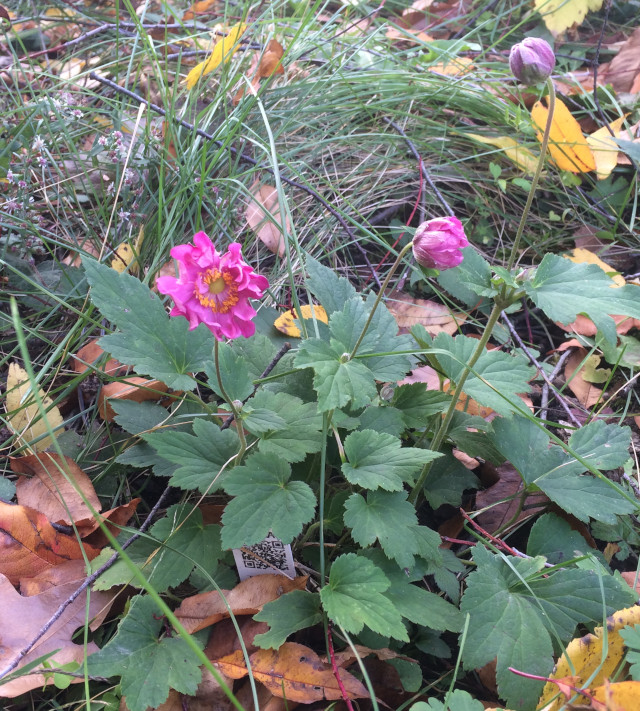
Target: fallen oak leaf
x,y
248,597
21,618
49,484
29,543
294,672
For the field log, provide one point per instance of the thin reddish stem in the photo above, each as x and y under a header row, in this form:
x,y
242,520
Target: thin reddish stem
x,y
497,541
336,671
408,222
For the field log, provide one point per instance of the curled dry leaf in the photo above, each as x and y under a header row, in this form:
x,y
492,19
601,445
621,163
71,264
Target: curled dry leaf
x,y
587,393
29,543
434,316
89,528
22,617
134,388
90,354
55,487
294,672
200,611
221,53
270,62
263,216
24,416
502,500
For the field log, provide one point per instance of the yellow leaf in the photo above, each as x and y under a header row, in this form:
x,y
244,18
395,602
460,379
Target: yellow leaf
x,y
583,656
521,156
604,148
568,147
455,67
559,15
286,323
223,50
126,256
24,416
584,256
621,696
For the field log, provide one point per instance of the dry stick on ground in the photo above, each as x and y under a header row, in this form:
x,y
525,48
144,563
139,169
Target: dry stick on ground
x,y
540,369
544,399
247,159
90,580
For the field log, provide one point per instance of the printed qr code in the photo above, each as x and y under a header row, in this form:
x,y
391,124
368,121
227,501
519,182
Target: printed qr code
x,y
270,553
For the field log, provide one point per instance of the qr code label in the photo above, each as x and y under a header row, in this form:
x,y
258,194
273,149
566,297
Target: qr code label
x,y
269,556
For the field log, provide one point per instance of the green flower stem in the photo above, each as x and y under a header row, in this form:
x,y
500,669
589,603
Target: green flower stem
x,y
234,410
438,439
383,288
536,177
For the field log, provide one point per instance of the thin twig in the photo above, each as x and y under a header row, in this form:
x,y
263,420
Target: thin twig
x,y
276,358
418,157
247,159
540,369
544,399
496,541
88,581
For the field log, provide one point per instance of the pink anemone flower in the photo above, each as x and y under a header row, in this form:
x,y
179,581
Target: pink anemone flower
x,y
214,288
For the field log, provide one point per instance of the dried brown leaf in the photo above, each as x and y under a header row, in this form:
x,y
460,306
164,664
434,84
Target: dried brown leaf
x,y
268,229
247,598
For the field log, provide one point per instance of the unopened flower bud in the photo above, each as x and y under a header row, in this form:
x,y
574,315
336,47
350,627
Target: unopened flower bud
x,y
437,243
532,60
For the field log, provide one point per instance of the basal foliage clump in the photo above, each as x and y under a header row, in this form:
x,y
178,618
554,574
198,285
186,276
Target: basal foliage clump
x,y
365,495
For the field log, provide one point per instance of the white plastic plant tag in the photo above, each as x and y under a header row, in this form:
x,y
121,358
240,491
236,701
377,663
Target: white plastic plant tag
x,y
269,556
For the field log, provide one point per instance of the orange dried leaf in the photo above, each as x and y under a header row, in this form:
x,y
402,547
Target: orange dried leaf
x,y
568,148
51,485
263,216
90,531
198,8
91,353
200,611
294,672
587,393
286,323
270,62
133,388
29,543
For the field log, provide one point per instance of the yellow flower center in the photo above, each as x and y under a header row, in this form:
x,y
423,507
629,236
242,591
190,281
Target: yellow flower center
x,y
218,283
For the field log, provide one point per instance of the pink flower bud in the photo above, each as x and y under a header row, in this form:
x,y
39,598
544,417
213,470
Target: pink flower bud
x,y
437,243
532,60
